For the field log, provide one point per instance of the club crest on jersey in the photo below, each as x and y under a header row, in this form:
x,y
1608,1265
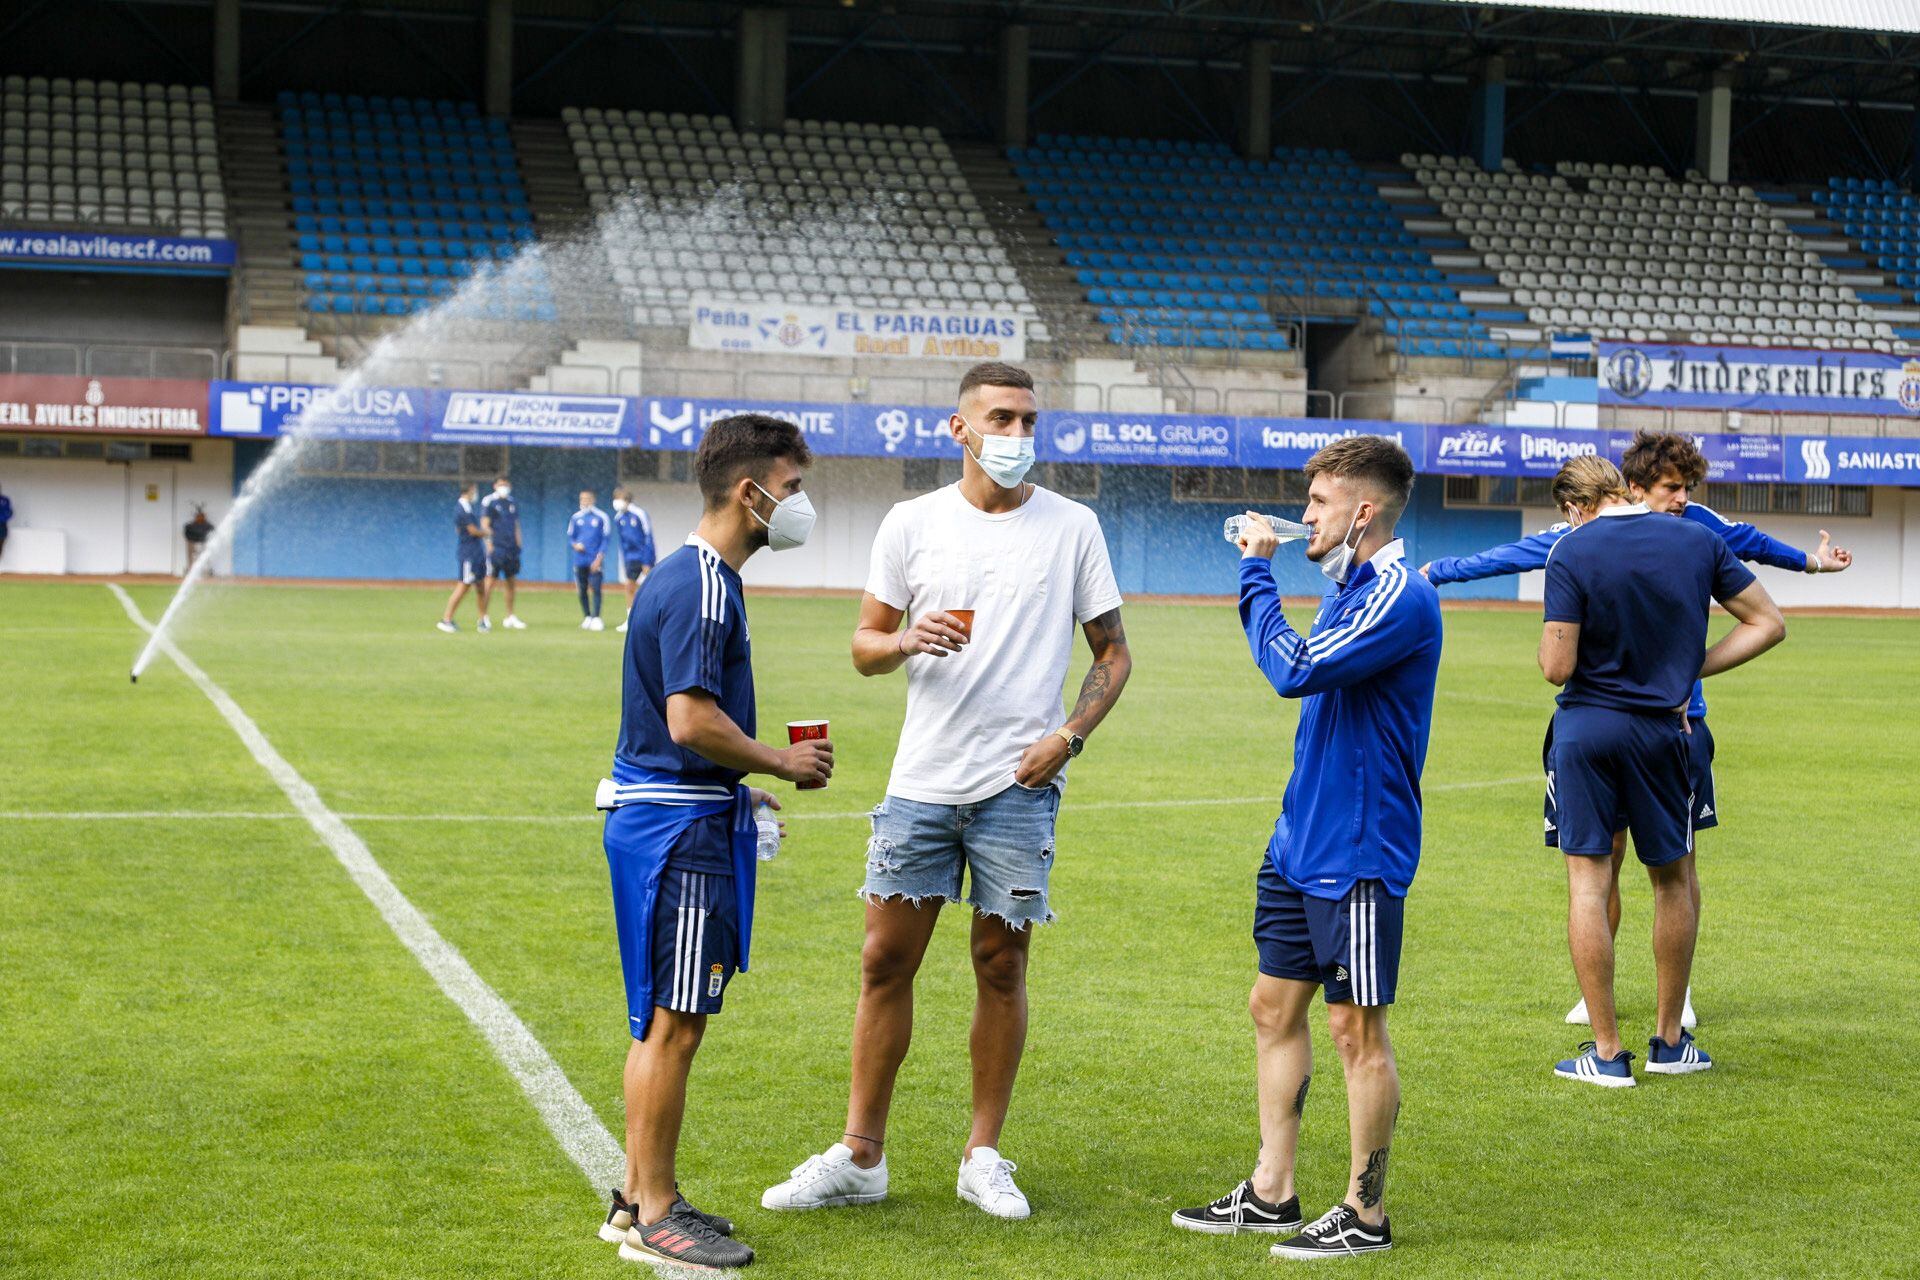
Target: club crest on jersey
x,y
713,980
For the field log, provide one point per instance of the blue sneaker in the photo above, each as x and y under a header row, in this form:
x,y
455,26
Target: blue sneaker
x,y
1591,1068
1676,1059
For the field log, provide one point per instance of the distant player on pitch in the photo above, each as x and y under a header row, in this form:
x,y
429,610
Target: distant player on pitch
x,y
588,532
635,528
1330,895
680,835
471,552
501,519
1660,469
1627,597
994,573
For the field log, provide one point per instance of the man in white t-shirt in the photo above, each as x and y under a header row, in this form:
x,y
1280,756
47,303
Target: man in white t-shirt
x,y
995,574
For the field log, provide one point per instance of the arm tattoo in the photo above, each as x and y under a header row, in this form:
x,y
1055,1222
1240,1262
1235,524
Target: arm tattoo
x,y
1109,626
1300,1098
1373,1178
1094,689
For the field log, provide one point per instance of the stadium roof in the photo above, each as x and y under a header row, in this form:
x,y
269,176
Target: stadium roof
x,y
1891,16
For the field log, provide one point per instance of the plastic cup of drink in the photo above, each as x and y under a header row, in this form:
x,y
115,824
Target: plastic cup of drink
x,y
806,731
964,617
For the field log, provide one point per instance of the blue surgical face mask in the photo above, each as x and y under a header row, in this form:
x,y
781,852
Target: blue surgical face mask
x,y
1006,459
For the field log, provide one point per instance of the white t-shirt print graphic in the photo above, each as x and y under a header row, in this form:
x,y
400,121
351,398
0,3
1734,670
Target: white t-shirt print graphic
x,y
1031,576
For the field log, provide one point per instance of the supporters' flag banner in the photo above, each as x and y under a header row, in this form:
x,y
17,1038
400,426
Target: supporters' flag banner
x,y
801,329
262,409
100,252
531,418
131,406
1759,378
1570,346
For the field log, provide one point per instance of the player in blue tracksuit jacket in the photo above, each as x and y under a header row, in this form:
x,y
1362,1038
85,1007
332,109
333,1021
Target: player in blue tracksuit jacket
x,y
1627,599
587,533
635,528
1666,466
1331,889
680,833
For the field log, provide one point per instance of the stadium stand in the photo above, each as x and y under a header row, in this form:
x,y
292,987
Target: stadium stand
x,y
817,211
396,201
1628,253
110,154
1185,244
1881,258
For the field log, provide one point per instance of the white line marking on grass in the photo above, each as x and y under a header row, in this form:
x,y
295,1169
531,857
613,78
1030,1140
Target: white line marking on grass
x,y
1096,806
567,1115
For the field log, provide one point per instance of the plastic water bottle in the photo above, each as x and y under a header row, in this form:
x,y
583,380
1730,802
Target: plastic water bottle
x,y
769,824
1286,530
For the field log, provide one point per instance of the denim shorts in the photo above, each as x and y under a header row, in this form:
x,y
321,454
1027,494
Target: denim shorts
x,y
1006,841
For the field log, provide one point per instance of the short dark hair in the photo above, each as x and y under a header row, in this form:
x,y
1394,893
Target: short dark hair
x,y
1375,460
1654,453
501,480
742,445
469,484
994,374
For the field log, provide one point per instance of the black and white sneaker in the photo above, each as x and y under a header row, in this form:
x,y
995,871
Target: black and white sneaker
x,y
1240,1210
1338,1233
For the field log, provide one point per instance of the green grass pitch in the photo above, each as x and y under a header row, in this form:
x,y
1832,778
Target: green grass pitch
x,y
216,1061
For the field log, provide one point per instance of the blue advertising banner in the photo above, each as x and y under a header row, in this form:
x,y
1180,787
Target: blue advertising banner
x,y
101,252
859,430
262,409
1843,460
531,418
1759,378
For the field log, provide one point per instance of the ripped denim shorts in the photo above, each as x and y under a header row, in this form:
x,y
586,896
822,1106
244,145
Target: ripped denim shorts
x,y
1006,842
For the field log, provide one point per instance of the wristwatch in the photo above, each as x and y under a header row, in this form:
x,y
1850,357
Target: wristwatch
x,y
1075,743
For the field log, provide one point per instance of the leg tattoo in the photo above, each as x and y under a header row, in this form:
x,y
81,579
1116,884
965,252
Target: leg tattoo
x,y
1300,1098
1373,1178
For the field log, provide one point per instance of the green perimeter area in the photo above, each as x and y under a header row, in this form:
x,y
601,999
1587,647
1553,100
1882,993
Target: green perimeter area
x,y
219,1062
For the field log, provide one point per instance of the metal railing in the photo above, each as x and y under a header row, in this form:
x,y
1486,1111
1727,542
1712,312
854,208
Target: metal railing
x,y
110,360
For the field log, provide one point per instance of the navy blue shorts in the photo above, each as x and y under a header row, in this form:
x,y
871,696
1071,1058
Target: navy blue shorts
x,y
1610,770
473,565
1706,806
1351,946
632,570
504,562
692,948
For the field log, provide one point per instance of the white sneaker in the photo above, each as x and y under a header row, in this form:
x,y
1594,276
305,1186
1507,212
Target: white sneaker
x,y
513,624
484,627
1688,1020
827,1180
1577,1016
599,624
987,1181
621,628
586,624
446,626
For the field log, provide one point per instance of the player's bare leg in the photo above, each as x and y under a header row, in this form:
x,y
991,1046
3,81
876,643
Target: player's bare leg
x,y
896,942
1373,1101
999,1034
655,1083
1591,944
1283,1058
453,601
1676,927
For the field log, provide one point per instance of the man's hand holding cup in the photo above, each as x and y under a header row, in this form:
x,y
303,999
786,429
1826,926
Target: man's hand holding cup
x,y
936,633
808,762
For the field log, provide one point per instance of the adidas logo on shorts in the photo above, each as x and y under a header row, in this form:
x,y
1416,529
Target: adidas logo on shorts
x,y
1340,973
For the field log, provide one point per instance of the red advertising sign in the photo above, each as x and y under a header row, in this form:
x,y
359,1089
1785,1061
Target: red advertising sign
x,y
131,406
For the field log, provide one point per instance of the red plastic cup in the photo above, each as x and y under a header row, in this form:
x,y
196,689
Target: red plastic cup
x,y
806,731
965,618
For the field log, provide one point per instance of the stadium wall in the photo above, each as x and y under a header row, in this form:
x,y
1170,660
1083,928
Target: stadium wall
x,y
100,511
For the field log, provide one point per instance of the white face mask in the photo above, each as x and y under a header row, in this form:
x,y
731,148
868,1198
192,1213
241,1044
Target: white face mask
x,y
501,490
619,504
792,520
1007,459
1338,563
